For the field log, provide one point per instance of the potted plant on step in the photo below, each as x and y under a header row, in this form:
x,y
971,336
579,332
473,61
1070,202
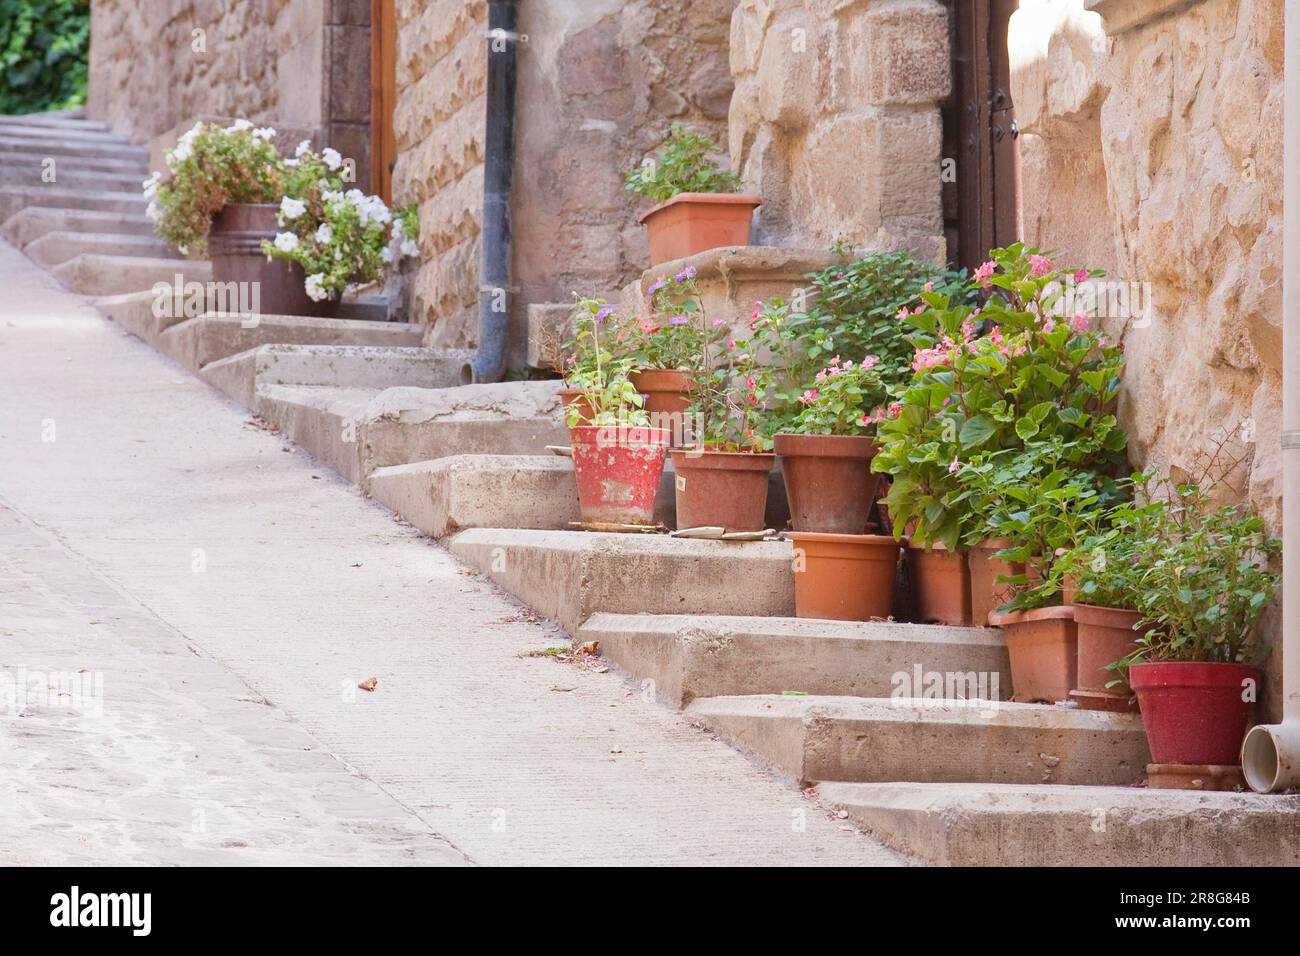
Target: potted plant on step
x,y
698,206
618,457
840,571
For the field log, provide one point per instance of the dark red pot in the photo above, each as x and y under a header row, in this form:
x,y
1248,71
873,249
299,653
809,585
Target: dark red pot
x,y
1194,712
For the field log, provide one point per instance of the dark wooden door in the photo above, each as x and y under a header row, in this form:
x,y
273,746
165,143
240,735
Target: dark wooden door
x,y
383,96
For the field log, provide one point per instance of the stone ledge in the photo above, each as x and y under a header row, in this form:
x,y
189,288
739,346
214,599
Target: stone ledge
x,y
1121,15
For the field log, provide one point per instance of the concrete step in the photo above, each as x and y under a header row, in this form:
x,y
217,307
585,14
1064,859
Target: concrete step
x,y
142,314
815,739
55,144
353,366
714,656
74,162
213,336
570,575
53,120
448,495
1050,825
402,425
66,176
71,133
31,223
14,198
98,274
55,248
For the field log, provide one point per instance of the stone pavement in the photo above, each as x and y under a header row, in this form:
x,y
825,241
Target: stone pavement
x,y
232,595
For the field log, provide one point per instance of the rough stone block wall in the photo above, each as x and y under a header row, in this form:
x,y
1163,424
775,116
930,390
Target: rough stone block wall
x,y
835,119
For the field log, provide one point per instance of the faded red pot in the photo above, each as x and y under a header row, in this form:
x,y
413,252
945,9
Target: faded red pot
x,y
617,469
844,577
940,585
1194,712
1043,645
828,481
1106,635
722,489
696,222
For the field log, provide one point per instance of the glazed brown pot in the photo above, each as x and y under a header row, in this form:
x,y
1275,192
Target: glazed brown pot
x,y
986,595
235,247
940,585
721,489
844,577
1043,645
696,222
828,481
1106,635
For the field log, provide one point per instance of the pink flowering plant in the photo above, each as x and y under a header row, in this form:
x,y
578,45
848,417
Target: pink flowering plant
x,y
846,398
1010,376
728,404
599,372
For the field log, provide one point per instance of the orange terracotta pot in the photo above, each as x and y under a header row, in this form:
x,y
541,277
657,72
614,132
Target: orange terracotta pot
x,y
571,396
986,595
1043,645
667,394
828,481
721,489
696,222
1106,635
844,577
940,585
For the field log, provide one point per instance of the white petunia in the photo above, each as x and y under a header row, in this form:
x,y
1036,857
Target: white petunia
x,y
386,254
150,185
409,248
324,233
286,241
266,134
292,208
332,158
239,126
152,211
315,290
291,163
302,149
330,195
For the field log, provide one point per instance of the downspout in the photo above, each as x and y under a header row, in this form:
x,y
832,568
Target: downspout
x,y
1270,755
494,293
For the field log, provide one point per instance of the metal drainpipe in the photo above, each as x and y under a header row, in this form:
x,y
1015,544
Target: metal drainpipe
x,y
1270,755
494,295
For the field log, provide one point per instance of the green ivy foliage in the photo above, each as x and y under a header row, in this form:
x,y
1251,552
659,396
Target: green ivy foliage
x,y
44,49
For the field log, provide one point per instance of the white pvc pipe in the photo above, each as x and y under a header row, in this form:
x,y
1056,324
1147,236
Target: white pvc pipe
x,y
1270,755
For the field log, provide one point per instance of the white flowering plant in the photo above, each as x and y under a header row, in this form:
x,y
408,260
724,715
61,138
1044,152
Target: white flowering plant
x,y
212,166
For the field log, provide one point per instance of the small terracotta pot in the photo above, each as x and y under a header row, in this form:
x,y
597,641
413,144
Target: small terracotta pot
x,y
1106,635
1043,645
571,396
844,577
721,488
940,585
986,595
667,397
617,469
1194,712
828,481
696,222
235,248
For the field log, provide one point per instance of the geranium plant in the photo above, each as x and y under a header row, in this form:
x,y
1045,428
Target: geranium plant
x,y
606,396
683,166
675,333
846,398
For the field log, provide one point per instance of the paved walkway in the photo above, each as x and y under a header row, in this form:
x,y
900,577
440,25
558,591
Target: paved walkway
x,y
231,594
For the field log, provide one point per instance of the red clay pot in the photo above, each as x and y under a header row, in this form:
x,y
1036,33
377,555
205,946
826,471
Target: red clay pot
x,y
722,489
986,595
844,577
570,396
940,585
1106,635
617,469
696,222
235,248
1043,645
828,481
1194,712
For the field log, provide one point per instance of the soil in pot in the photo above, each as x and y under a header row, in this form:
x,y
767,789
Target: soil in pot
x,y
235,247
1106,635
844,577
828,481
1043,646
617,470
940,585
721,489
696,222
1194,712
986,595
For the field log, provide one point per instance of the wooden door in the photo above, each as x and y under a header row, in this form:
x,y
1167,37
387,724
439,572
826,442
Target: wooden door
x,y
383,96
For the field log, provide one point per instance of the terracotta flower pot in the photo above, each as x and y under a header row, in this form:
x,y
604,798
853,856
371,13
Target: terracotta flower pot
x,y
1194,712
844,577
571,396
721,488
696,222
1043,645
667,397
828,481
1106,635
940,585
235,247
617,470
986,595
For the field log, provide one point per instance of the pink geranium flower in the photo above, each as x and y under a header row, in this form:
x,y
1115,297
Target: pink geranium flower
x,y
1039,266
984,273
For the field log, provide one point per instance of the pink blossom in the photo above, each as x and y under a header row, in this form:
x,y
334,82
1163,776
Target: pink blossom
x,y
809,396
984,273
869,363
1049,326
952,468
1039,266
1081,275
929,287
903,313
1079,323
895,409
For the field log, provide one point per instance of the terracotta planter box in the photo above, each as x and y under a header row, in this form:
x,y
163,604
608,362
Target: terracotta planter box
x,y
690,223
1105,635
721,489
940,585
1194,712
617,470
844,577
985,594
235,247
1043,645
828,481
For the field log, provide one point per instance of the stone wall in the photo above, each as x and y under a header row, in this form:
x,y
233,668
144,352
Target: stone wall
x,y
835,119
599,83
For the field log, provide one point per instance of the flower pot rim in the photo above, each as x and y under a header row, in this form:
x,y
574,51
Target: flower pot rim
x,y
1144,666
841,446
830,537
654,371
711,458
752,200
1057,613
664,433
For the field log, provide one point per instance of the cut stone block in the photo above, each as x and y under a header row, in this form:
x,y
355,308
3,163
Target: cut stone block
x,y
448,495
324,421
56,144
570,575
56,248
713,656
855,739
134,311
1049,825
98,274
68,176
73,162
28,225
14,198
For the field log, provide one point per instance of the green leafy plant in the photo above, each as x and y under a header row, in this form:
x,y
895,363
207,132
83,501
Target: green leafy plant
x,y
606,396
44,51
675,333
683,166
846,398
727,404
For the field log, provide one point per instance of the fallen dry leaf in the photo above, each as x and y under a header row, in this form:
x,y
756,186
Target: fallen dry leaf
x,y
589,647
370,684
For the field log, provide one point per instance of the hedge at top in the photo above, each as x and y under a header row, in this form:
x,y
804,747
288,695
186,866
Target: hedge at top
x,y
44,48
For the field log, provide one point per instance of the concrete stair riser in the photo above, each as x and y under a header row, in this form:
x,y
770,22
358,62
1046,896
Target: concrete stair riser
x,y
211,337
815,739
56,145
321,420
29,224
712,656
96,274
66,177
53,121
74,162
134,311
15,198
56,248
